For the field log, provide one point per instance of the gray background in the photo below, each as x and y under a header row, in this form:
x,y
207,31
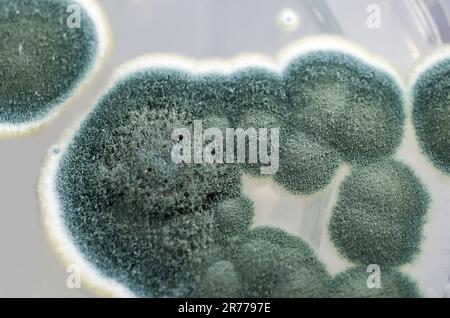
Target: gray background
x,y
200,29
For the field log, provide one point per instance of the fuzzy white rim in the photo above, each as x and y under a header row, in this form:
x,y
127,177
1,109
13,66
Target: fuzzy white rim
x,y
59,236
275,64
426,63
93,9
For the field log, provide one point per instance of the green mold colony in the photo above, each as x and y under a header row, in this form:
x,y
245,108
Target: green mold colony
x,y
431,113
340,109
268,258
354,108
141,217
379,215
42,60
184,230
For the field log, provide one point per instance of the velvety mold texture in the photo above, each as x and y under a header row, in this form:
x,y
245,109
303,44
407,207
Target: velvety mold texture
x,y
431,112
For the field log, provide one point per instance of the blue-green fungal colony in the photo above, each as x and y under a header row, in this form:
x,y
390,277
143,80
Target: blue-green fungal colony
x,y
44,57
174,230
431,112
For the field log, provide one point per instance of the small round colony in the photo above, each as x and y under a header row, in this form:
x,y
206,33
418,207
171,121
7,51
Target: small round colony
x,y
379,215
49,48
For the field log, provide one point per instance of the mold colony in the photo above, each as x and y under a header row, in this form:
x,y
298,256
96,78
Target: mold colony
x,y
44,59
431,110
165,229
